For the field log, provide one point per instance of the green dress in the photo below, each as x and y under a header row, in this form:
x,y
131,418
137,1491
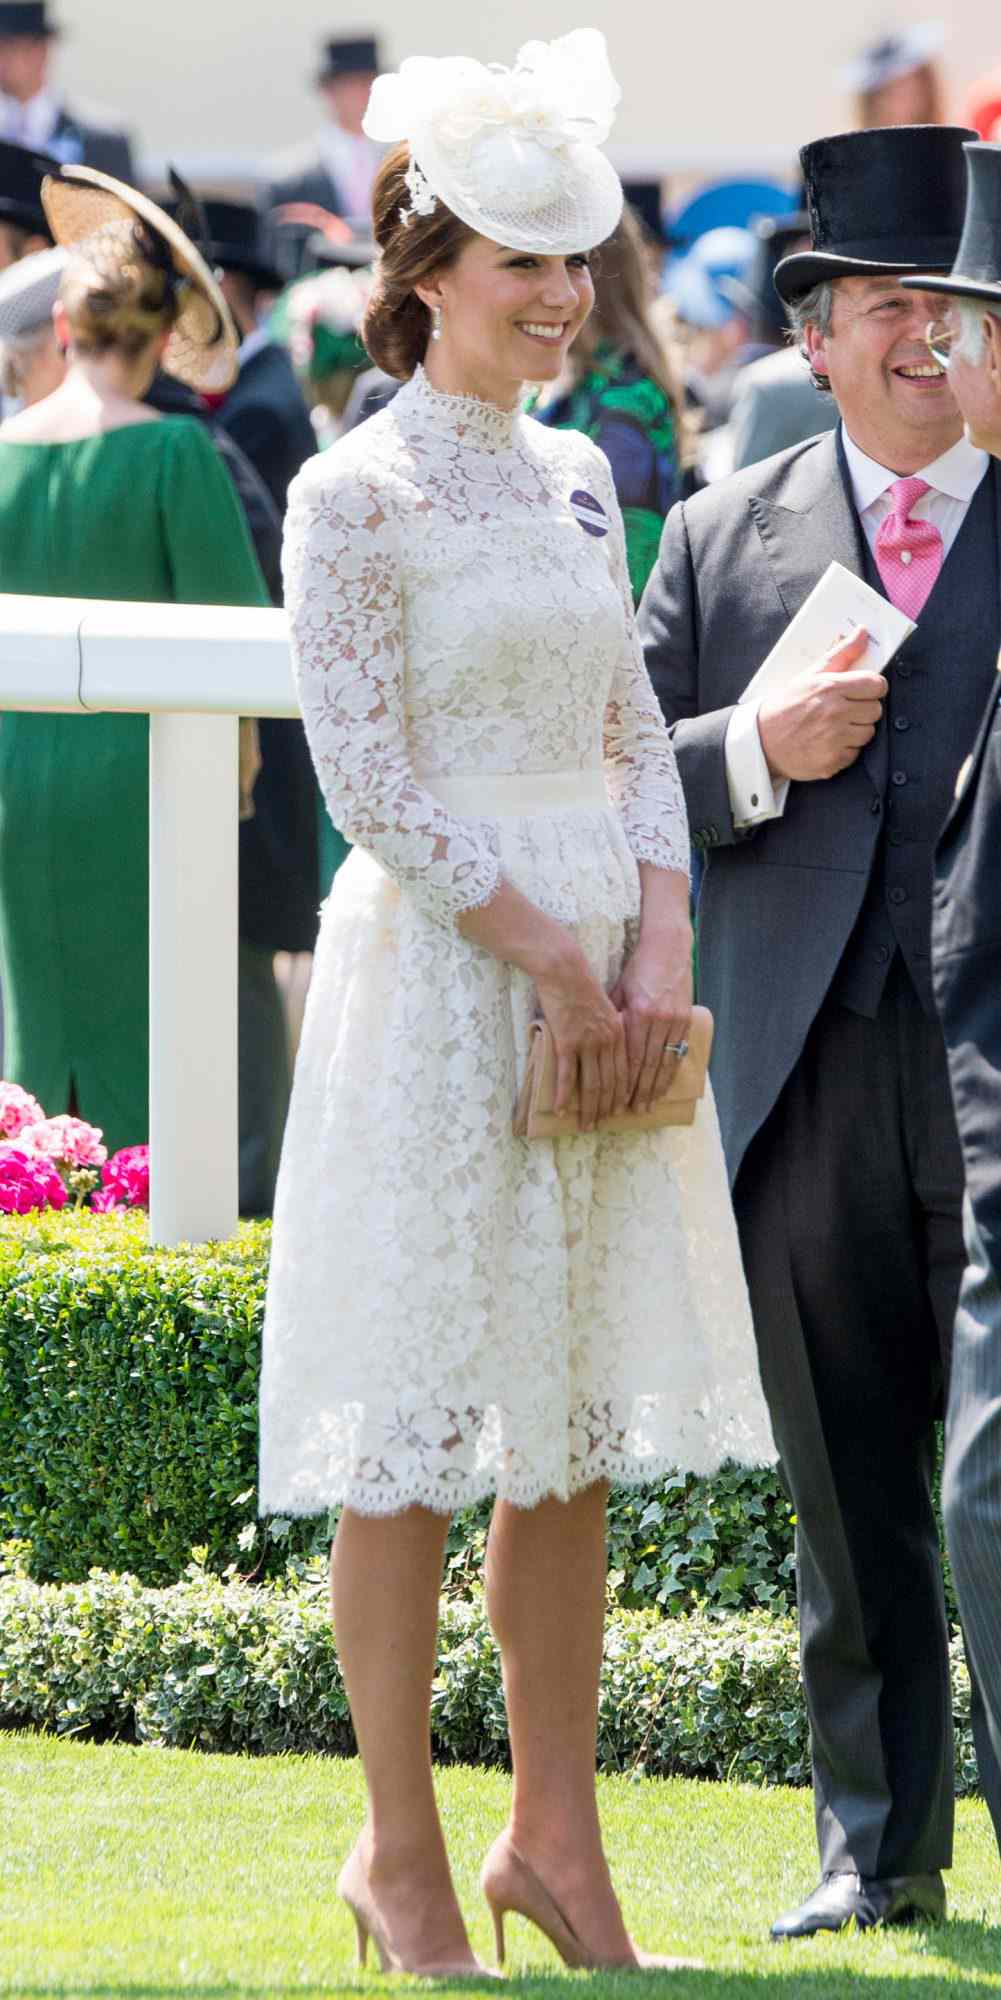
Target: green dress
x,y
147,513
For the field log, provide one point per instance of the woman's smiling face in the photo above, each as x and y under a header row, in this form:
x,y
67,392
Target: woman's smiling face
x,y
508,316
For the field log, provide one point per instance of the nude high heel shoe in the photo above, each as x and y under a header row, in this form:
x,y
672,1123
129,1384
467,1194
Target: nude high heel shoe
x,y
353,1889
510,1885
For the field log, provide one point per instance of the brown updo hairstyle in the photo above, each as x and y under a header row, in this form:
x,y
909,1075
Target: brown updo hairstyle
x,y
397,324
119,290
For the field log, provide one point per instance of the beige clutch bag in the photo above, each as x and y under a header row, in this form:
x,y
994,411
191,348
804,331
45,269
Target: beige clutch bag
x,y
535,1118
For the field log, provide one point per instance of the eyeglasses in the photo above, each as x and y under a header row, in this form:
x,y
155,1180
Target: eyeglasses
x,y
940,339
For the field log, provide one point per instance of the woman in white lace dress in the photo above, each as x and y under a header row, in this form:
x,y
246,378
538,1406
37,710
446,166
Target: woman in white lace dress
x,y
454,1312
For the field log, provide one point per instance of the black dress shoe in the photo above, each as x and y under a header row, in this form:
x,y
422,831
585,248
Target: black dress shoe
x,y
840,1900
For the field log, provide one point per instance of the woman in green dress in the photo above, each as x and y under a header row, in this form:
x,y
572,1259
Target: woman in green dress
x,y
101,497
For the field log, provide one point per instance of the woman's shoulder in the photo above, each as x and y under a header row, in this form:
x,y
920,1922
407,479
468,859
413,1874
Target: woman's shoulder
x,y
361,466
567,450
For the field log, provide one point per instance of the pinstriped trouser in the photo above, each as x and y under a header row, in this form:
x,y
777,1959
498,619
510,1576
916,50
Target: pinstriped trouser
x,y
971,1480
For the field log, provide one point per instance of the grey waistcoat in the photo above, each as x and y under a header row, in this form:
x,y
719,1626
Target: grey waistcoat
x,y
930,720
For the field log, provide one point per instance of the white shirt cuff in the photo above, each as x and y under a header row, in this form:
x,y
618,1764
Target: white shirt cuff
x,y
754,796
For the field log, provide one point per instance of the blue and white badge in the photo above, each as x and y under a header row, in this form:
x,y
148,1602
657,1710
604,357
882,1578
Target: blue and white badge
x,y
589,513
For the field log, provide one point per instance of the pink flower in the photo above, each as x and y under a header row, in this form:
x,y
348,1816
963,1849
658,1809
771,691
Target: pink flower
x,y
104,1201
28,1181
126,1178
70,1141
17,1109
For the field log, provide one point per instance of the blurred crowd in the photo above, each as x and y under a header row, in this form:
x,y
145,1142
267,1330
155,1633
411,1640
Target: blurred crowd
x,y
684,373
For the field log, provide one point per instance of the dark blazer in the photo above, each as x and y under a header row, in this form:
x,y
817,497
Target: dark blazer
x,y
82,138
299,176
966,958
777,905
265,413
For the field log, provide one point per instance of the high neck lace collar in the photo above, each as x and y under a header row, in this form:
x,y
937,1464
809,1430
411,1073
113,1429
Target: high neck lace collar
x,y
466,420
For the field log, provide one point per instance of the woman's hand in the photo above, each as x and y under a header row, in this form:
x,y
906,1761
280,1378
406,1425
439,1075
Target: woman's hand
x,y
654,991
590,1040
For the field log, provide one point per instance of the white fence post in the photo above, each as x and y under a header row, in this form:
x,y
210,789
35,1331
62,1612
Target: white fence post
x,y
193,868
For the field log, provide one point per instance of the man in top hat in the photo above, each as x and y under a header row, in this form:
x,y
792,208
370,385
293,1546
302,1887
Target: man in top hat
x,y
336,170
31,112
966,950
818,809
265,414
775,403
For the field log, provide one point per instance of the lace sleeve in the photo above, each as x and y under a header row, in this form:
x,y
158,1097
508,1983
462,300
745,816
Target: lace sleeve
x,y
341,564
640,765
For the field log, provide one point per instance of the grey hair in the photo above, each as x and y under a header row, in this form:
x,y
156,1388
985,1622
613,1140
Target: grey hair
x,y
17,351
970,345
812,308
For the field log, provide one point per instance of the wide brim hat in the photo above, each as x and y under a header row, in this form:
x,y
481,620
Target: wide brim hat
x,y
880,202
203,347
29,290
976,272
513,153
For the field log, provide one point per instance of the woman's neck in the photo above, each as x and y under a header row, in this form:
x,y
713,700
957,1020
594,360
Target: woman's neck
x,y
456,376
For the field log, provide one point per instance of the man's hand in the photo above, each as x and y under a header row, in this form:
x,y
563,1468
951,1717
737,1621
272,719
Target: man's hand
x,y
818,726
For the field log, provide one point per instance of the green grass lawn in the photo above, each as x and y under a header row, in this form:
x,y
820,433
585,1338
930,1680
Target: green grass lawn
x,y
138,1874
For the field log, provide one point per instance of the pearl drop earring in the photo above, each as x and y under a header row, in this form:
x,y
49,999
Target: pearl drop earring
x,y
436,322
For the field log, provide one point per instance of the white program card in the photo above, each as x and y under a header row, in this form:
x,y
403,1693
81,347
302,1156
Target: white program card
x,y
835,608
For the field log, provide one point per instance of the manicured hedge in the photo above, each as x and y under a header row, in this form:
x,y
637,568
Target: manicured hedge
x,y
217,1664
128,1432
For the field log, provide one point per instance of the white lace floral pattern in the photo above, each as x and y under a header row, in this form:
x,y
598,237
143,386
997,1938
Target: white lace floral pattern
x,y
452,1311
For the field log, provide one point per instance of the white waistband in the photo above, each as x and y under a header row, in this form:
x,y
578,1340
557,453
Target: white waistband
x,y
504,794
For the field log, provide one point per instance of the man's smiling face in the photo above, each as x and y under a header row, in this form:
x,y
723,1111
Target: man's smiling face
x,y
895,400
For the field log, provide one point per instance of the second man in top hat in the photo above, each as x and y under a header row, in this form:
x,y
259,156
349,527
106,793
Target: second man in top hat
x,y
336,169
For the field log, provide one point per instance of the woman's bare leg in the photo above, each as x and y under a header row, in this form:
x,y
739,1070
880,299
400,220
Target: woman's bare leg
x,y
385,1577
545,1573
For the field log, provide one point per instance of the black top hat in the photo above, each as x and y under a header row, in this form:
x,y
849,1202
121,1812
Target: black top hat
x,y
976,273
235,241
887,200
26,17
21,175
356,57
647,198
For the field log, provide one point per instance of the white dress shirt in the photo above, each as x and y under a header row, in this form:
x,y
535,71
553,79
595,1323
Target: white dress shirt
x,y
953,480
31,124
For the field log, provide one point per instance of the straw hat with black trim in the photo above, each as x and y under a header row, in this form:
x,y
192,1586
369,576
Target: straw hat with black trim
x,y
203,345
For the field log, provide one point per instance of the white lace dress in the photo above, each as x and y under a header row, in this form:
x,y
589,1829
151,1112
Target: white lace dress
x,y
453,1311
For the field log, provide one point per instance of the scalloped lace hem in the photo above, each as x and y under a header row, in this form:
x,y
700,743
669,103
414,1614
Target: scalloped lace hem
x,y
378,1500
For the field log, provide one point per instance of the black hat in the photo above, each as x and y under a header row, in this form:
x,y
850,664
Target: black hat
x,y
235,241
976,273
21,175
324,254
26,17
887,200
755,296
357,57
899,54
647,198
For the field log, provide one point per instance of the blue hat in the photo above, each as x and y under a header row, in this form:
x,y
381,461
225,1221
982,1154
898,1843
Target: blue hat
x,y
694,281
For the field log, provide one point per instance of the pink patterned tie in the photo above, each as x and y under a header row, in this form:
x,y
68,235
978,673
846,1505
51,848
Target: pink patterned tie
x,y
909,553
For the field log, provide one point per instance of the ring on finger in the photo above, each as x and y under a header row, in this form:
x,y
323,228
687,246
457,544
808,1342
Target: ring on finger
x,y
679,1049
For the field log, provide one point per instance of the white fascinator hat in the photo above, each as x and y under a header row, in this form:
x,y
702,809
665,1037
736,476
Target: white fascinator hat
x,y
514,153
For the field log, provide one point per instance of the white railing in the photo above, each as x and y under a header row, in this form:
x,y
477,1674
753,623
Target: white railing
x,y
194,669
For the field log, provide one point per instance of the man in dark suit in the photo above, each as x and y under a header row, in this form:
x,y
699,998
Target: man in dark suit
x,y
265,414
818,810
31,112
336,169
966,950
265,411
